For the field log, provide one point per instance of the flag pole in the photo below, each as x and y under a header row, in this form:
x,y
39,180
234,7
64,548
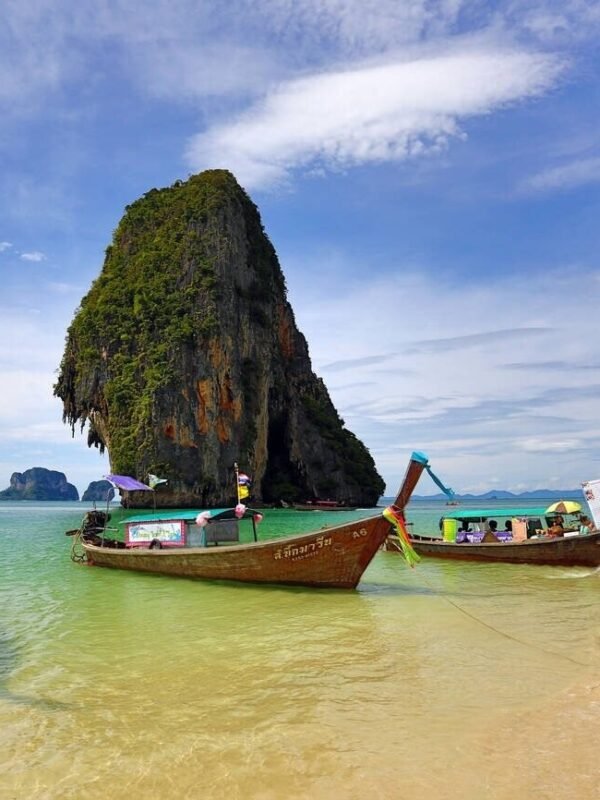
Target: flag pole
x,y
237,481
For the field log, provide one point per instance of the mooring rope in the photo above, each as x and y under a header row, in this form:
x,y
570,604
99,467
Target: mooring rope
x,y
497,630
81,556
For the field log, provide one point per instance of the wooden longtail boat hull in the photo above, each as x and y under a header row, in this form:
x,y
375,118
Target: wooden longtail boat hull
x,y
581,550
331,558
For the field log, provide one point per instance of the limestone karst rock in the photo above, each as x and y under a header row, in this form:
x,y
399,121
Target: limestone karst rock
x,y
184,357
39,483
98,491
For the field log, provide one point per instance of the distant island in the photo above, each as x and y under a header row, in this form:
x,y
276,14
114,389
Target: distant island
x,y
39,483
99,491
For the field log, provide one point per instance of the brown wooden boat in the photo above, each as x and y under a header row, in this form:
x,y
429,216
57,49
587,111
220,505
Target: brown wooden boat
x,y
177,544
522,542
579,550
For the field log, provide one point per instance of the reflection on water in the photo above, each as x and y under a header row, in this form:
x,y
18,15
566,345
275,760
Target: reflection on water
x,y
181,689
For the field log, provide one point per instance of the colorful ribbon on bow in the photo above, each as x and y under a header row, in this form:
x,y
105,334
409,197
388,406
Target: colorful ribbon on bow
x,y
396,520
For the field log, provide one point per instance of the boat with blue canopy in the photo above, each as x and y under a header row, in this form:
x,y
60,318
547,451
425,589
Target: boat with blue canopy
x,y
512,534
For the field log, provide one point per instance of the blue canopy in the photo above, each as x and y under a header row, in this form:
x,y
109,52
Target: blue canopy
x,y
507,511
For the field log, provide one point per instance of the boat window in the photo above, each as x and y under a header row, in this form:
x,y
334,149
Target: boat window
x,y
195,536
227,530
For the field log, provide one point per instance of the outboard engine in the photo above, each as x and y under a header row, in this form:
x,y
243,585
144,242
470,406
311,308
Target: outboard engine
x,y
94,522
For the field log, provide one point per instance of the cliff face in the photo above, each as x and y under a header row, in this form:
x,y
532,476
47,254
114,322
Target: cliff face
x,y
39,484
184,358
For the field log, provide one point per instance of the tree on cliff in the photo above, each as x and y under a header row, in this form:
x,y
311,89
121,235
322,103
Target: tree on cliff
x,y
184,357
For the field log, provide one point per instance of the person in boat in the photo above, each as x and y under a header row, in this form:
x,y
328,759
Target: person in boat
x,y
586,525
508,526
491,531
556,530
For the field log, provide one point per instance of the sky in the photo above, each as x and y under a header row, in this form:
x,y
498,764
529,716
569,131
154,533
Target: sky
x,y
428,172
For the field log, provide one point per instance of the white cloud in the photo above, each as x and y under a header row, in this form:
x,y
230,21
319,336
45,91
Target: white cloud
x,y
358,81
191,48
35,255
183,69
465,397
566,176
474,415
554,20
352,27
184,49
26,398
4,246
32,338
376,113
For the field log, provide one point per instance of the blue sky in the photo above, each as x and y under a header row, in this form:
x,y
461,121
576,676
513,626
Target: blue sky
x,y
428,173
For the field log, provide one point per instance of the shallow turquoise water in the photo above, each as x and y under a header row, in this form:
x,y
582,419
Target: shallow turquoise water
x,y
113,682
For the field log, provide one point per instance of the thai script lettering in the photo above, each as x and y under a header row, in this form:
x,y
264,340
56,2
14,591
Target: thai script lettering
x,y
298,551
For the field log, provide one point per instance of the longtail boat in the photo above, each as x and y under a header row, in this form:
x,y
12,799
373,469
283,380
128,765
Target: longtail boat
x,y
322,505
570,551
207,545
522,542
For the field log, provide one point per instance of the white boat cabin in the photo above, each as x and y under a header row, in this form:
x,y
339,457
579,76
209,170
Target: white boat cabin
x,y
186,528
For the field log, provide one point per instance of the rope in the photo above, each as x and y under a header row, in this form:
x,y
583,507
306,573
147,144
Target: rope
x,y
497,630
79,557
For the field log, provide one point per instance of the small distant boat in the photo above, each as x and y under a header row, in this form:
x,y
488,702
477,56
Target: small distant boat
x,y
207,545
322,505
524,544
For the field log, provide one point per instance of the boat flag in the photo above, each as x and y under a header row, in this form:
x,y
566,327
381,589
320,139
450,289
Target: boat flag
x,y
396,519
154,481
243,484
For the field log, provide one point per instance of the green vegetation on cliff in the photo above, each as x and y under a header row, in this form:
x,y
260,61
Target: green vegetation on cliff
x,y
184,357
125,343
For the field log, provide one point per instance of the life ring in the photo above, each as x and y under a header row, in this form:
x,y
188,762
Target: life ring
x,y
155,544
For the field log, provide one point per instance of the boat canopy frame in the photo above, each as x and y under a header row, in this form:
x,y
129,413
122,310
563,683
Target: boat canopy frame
x,y
482,514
